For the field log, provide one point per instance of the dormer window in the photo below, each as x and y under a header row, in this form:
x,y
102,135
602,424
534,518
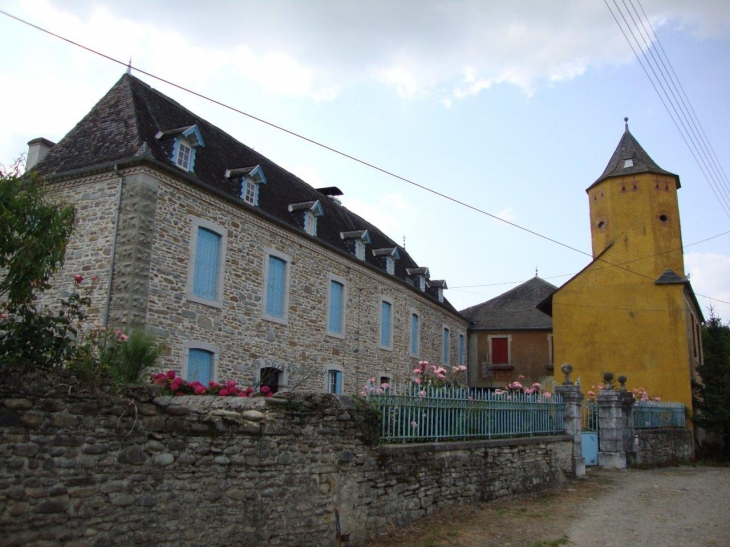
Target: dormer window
x,y
306,214
438,285
628,163
356,241
387,258
251,179
184,142
418,277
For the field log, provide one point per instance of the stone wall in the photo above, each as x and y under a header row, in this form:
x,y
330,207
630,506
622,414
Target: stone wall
x,y
81,469
660,446
150,286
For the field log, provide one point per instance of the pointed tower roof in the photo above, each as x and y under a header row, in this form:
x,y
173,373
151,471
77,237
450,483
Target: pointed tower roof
x,y
630,158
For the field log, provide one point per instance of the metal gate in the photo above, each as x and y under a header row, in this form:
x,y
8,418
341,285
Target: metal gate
x,y
589,436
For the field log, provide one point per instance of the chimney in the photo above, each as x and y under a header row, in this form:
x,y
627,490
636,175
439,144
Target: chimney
x,y
37,150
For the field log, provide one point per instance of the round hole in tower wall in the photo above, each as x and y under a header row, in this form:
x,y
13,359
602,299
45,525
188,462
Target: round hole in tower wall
x,y
601,224
663,218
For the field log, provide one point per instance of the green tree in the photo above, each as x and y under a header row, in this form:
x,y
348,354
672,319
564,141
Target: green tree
x,y
712,394
34,233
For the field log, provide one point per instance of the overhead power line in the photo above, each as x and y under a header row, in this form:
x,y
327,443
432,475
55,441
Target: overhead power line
x,y
326,147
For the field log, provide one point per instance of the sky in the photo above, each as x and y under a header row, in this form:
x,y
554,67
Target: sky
x,y
513,108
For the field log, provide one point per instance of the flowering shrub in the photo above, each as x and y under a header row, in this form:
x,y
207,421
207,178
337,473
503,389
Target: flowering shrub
x,y
640,394
428,375
517,387
172,384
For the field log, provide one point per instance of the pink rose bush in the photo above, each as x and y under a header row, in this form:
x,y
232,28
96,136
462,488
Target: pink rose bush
x,y
517,387
172,384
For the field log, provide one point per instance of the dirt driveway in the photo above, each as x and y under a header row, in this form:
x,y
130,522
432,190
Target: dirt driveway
x,y
670,507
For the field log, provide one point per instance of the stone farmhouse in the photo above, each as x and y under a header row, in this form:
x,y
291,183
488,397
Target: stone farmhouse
x,y
509,337
243,270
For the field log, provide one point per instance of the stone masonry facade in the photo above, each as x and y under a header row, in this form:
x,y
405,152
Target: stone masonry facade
x,y
150,286
80,469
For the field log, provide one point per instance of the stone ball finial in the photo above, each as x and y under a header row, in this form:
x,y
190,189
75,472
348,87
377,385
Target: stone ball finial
x,y
567,368
622,380
608,380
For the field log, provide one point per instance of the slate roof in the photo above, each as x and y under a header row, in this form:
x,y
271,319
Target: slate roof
x,y
513,310
132,113
629,149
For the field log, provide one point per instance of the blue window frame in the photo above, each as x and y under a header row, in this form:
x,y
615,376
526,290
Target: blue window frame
x,y
415,334
206,264
461,349
446,343
334,381
386,324
200,366
336,307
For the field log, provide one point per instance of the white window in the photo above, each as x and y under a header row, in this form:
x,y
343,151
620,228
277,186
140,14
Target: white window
x,y
386,324
207,262
276,286
250,191
415,334
390,265
183,155
445,345
333,379
310,223
200,362
359,249
336,298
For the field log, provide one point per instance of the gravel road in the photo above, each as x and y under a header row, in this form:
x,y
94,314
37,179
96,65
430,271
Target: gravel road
x,y
669,507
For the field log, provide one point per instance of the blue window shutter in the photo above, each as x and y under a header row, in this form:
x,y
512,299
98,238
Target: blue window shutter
x,y
206,264
385,323
200,366
414,334
335,324
338,381
446,346
275,285
461,349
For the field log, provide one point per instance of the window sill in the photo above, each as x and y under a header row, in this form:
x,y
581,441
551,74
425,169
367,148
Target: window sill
x,y
335,335
501,366
279,320
386,348
205,301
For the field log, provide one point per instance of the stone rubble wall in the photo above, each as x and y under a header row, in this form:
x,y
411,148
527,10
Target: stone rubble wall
x,y
90,469
660,446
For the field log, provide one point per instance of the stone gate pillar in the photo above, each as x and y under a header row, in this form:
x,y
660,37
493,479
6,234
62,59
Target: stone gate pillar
x,y
627,411
572,400
610,427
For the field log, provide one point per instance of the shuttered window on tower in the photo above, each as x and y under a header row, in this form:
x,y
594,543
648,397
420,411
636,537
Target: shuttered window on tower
x,y
206,264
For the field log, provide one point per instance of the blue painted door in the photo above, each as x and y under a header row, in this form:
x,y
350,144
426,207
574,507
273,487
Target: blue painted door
x,y
590,447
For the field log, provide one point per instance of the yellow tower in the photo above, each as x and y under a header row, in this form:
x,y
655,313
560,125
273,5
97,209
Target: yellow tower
x,y
631,311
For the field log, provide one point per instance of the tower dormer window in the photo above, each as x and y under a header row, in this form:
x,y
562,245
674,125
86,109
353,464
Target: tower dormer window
x,y
306,214
356,242
251,179
437,286
182,144
628,163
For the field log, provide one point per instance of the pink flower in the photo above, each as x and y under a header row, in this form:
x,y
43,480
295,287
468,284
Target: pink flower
x,y
537,385
421,393
95,278
170,374
414,424
3,316
78,278
124,337
199,390
265,389
223,392
416,371
521,377
657,399
214,385
470,398
591,393
547,395
385,385
269,394
417,381
118,332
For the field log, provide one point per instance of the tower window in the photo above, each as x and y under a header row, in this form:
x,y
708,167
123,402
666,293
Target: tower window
x,y
601,224
628,163
663,218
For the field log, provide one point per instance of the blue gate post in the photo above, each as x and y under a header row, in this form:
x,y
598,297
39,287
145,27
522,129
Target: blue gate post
x,y
627,409
572,400
610,426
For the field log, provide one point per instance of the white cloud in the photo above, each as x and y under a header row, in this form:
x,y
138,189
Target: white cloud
x,y
710,276
316,50
390,213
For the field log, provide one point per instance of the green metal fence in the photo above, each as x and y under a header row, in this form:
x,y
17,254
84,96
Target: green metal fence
x,y
414,414
648,415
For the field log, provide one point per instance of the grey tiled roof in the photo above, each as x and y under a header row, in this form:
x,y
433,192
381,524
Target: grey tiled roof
x,y
513,310
629,149
123,124
670,277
